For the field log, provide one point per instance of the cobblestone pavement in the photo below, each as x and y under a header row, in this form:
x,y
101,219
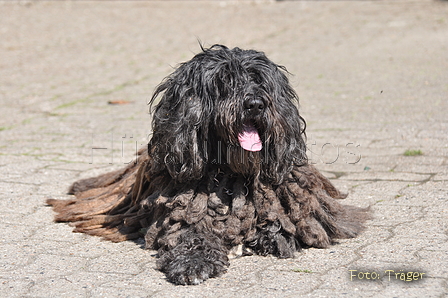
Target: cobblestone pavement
x,y
373,81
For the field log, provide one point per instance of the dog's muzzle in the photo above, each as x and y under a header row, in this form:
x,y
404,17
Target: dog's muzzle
x,y
249,137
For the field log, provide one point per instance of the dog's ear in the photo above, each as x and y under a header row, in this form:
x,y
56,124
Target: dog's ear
x,y
286,138
180,128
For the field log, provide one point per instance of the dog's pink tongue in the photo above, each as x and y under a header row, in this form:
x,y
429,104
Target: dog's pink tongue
x,y
249,139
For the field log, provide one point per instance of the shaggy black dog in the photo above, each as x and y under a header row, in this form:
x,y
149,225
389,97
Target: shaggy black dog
x,y
226,168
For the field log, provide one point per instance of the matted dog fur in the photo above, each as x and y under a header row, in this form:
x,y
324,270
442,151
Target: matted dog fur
x,y
226,167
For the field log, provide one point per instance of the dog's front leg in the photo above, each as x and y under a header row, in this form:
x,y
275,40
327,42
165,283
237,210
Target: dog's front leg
x,y
196,257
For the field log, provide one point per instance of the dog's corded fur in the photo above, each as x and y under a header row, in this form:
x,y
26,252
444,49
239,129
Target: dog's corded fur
x,y
195,193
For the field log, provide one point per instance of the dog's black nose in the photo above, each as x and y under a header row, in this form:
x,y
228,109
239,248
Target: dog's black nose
x,y
254,105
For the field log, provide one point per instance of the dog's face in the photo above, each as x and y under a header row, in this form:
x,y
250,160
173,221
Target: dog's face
x,y
227,107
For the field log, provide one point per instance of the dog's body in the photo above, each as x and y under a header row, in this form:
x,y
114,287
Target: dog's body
x,y
226,167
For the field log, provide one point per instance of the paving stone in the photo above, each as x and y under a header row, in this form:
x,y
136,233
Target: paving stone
x,y
371,77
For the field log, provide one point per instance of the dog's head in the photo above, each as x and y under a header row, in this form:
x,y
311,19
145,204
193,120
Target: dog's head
x,y
227,106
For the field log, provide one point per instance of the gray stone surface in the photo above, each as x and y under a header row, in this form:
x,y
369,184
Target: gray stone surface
x,y
372,77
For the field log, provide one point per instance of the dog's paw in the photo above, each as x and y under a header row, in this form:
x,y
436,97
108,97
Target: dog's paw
x,y
195,259
271,239
192,268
